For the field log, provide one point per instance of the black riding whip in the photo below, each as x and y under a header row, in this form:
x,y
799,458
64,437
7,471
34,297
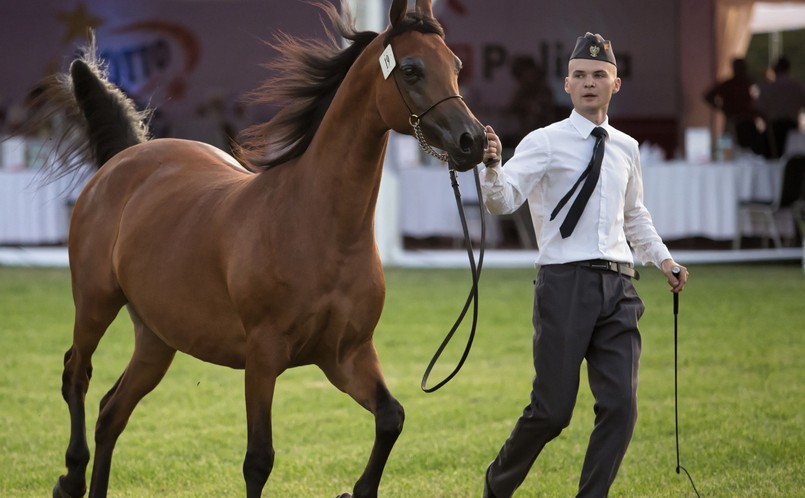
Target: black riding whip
x,y
676,271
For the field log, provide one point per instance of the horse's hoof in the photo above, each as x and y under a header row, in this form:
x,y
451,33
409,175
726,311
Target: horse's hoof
x,y
344,495
59,492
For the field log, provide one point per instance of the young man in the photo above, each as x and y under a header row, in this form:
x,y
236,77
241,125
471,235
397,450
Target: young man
x,y
585,306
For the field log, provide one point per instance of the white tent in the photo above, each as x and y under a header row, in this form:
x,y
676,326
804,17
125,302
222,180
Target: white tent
x,y
776,17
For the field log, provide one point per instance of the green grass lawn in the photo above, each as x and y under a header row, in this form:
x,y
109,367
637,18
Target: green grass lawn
x,y
742,396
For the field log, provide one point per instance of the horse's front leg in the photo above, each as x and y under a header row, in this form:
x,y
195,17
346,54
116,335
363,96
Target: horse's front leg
x,y
389,417
360,377
261,378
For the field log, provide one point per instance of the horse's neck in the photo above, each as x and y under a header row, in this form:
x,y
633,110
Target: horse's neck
x,y
346,155
337,179
351,134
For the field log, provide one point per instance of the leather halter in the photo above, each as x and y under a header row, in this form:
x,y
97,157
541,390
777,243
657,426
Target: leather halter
x,y
414,120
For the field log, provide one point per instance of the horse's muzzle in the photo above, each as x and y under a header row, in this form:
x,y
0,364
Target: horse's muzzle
x,y
469,149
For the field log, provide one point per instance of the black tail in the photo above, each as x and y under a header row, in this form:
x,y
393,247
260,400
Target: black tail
x,y
112,121
88,119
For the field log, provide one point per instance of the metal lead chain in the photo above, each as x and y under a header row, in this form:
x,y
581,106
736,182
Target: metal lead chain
x,y
423,144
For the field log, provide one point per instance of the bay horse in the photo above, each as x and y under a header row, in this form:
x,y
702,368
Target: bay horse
x,y
261,267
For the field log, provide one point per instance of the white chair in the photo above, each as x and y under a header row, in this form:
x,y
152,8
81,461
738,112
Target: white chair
x,y
762,212
794,144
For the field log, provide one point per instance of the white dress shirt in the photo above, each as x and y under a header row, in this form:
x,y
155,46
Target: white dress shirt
x,y
545,166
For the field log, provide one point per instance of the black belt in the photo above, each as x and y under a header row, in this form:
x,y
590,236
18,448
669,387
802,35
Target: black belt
x,y
602,264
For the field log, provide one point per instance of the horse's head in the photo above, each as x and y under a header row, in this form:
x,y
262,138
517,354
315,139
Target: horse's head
x,y
420,93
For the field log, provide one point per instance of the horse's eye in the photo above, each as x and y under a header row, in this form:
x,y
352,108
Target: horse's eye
x,y
411,73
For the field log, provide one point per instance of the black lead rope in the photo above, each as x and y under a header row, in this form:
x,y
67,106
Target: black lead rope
x,y
472,297
676,394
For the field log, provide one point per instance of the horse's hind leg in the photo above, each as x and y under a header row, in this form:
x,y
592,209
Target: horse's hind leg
x,y
360,377
93,316
148,364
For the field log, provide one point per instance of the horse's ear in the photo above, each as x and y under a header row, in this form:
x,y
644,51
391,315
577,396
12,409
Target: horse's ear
x,y
423,8
398,10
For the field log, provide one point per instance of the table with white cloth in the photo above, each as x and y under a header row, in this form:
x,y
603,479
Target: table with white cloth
x,y
701,200
428,205
685,200
34,212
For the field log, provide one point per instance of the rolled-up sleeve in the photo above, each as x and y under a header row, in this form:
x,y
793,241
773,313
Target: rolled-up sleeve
x,y
638,226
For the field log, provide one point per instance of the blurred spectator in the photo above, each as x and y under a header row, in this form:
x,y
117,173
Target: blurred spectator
x,y
3,115
532,104
218,122
158,125
734,98
780,101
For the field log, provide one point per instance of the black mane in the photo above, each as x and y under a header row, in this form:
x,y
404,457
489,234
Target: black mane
x,y
308,74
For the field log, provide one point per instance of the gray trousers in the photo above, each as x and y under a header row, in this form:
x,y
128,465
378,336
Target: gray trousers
x,y
579,313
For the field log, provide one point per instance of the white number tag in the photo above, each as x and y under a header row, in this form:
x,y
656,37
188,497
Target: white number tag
x,y
387,61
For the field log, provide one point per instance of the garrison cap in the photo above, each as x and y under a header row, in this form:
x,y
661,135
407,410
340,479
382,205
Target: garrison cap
x,y
594,47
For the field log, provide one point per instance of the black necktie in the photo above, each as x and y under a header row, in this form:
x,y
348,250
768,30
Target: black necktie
x,y
592,172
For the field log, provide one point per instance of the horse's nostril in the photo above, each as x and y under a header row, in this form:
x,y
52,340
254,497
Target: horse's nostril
x,y
466,142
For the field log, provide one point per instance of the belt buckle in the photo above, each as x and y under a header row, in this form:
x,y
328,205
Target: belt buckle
x,y
601,265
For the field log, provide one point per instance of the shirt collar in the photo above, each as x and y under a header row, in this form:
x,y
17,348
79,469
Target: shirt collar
x,y
584,126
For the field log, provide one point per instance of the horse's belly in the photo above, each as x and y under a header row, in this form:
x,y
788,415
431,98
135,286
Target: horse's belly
x,y
195,329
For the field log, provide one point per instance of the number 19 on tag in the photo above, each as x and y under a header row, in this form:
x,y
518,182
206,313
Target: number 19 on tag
x,y
387,61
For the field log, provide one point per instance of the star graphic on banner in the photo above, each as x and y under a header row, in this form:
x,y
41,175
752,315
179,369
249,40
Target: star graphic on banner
x,y
79,21
457,6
